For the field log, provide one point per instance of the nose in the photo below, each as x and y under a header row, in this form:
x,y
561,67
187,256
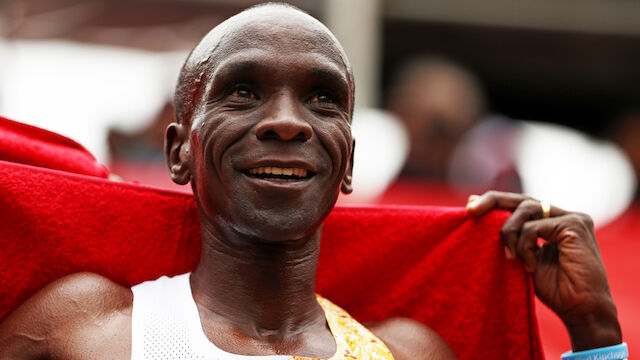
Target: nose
x,y
284,122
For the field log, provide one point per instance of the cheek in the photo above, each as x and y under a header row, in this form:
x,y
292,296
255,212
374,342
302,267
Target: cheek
x,y
220,135
337,140
210,141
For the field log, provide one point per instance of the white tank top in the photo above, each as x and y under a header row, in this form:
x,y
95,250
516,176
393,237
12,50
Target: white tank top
x,y
165,324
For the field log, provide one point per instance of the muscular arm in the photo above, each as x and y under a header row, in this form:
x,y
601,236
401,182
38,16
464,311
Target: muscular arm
x,y
408,339
67,315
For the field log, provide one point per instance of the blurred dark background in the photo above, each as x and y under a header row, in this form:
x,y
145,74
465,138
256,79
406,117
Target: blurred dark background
x,y
572,63
580,79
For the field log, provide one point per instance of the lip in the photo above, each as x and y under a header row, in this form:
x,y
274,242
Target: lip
x,y
297,185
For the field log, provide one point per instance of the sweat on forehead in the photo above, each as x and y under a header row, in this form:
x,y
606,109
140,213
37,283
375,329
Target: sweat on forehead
x,y
261,23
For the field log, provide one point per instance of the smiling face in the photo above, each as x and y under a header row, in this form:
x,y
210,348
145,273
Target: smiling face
x,y
269,143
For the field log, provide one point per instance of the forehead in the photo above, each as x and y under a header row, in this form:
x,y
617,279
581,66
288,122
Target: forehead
x,y
284,35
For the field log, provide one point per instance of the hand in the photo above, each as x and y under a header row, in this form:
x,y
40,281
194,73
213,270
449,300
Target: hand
x,y
568,274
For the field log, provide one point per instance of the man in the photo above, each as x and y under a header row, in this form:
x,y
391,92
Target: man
x,y
264,106
438,102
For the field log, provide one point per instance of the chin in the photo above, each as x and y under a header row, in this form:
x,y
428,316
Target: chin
x,y
281,226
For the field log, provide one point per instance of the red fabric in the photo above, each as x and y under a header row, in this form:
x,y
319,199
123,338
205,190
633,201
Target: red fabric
x,y
432,264
34,146
619,247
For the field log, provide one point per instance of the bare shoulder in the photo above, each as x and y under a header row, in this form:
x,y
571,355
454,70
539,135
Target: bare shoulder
x,y
410,339
60,312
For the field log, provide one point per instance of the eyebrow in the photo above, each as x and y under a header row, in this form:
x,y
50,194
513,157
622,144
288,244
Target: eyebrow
x,y
330,76
238,67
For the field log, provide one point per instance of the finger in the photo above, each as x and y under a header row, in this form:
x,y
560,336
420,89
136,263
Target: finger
x,y
479,205
577,225
527,246
552,230
511,230
472,198
490,200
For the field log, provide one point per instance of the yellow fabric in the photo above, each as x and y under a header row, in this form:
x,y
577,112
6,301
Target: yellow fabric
x,y
353,340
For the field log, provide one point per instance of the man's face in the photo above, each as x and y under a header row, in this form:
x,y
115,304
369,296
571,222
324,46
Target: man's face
x,y
271,142
437,108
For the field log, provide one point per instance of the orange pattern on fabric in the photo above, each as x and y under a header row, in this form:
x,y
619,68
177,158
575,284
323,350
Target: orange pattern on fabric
x,y
353,340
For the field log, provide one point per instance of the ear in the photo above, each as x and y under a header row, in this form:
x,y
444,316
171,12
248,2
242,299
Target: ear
x,y
346,186
178,153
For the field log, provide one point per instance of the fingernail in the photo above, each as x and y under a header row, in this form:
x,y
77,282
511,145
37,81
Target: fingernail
x,y
472,204
507,253
472,198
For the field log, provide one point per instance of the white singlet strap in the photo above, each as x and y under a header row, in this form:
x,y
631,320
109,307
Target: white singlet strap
x,y
165,324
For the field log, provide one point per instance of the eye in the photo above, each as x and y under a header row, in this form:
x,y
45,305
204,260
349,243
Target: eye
x,y
322,98
244,93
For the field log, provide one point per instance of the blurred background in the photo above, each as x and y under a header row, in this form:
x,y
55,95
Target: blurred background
x,y
453,98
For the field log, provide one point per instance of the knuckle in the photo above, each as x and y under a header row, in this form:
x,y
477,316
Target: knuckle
x,y
578,223
575,218
572,235
527,228
529,205
587,220
507,231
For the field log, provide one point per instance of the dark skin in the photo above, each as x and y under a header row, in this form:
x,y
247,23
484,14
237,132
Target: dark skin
x,y
568,273
279,97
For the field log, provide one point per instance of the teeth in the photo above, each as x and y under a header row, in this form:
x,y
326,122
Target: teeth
x,y
279,171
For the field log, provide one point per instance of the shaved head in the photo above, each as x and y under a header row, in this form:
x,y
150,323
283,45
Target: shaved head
x,y
260,21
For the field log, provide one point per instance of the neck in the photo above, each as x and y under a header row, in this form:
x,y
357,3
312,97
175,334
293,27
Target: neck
x,y
265,289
